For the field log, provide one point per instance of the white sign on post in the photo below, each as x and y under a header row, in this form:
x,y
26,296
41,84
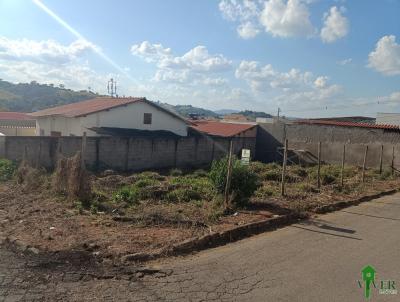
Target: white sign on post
x,y
245,156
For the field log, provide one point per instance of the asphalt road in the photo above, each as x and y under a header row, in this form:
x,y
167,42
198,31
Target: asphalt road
x,y
316,260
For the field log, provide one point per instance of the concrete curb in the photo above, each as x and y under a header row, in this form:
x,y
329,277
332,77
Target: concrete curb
x,y
218,239
348,203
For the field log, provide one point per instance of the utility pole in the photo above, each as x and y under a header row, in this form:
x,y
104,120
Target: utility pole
x,y
112,87
279,111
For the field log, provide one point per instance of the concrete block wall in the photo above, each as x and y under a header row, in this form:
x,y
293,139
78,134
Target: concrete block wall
x,y
123,154
306,137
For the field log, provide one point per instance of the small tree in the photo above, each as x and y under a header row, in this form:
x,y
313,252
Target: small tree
x,y
244,182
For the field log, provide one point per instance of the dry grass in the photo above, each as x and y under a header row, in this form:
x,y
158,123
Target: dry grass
x,y
72,179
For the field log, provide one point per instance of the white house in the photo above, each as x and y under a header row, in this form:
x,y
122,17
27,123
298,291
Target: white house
x,y
107,113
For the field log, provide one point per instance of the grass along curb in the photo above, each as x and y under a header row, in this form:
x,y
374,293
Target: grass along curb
x,y
348,203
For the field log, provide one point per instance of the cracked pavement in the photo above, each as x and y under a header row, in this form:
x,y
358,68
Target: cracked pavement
x,y
315,260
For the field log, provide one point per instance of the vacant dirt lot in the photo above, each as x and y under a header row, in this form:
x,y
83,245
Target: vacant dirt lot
x,y
150,212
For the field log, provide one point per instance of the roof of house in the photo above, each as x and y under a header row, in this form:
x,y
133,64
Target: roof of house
x,y
97,105
18,116
16,119
349,124
217,128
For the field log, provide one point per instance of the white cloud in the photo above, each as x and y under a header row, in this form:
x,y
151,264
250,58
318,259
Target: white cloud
x,y
48,51
293,87
197,59
336,26
321,82
248,30
197,66
386,56
23,60
235,10
392,99
287,18
345,61
150,52
246,13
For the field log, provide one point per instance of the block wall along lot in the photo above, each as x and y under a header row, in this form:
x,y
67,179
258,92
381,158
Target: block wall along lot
x,y
306,137
123,154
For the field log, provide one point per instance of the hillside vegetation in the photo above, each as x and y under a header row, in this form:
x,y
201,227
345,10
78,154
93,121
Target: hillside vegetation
x,y
29,97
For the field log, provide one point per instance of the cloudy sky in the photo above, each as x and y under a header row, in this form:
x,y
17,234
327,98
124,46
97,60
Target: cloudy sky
x,y
308,57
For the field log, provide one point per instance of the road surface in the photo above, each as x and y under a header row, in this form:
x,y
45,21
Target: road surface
x,y
315,260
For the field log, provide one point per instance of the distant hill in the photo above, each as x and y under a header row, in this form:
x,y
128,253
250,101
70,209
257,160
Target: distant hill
x,y
188,110
29,97
225,111
252,115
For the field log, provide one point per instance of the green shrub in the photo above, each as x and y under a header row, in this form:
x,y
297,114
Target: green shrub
x,y
306,188
272,175
202,185
329,173
7,169
150,175
200,173
129,195
145,182
298,171
266,191
182,195
244,181
175,172
386,174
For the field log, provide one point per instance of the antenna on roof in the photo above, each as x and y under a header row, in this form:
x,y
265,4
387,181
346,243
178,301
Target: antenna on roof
x,y
112,87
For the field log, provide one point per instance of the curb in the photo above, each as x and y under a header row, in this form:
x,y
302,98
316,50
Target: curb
x,y
217,239
344,204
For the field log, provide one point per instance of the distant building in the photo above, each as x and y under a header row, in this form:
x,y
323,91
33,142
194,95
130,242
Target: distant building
x,y
388,118
17,124
225,129
108,115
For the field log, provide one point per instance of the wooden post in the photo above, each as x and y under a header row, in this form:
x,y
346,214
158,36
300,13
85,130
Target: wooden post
x,y
284,168
343,161
392,166
319,166
381,160
364,163
228,176
83,149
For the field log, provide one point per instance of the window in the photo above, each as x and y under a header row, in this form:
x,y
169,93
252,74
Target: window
x,y
147,118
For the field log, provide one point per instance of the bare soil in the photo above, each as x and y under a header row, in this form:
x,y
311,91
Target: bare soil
x,y
40,218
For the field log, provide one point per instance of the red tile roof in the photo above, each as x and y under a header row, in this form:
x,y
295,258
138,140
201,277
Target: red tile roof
x,y
350,124
17,116
87,107
217,128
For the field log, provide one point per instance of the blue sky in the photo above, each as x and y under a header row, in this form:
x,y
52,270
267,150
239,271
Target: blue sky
x,y
308,57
